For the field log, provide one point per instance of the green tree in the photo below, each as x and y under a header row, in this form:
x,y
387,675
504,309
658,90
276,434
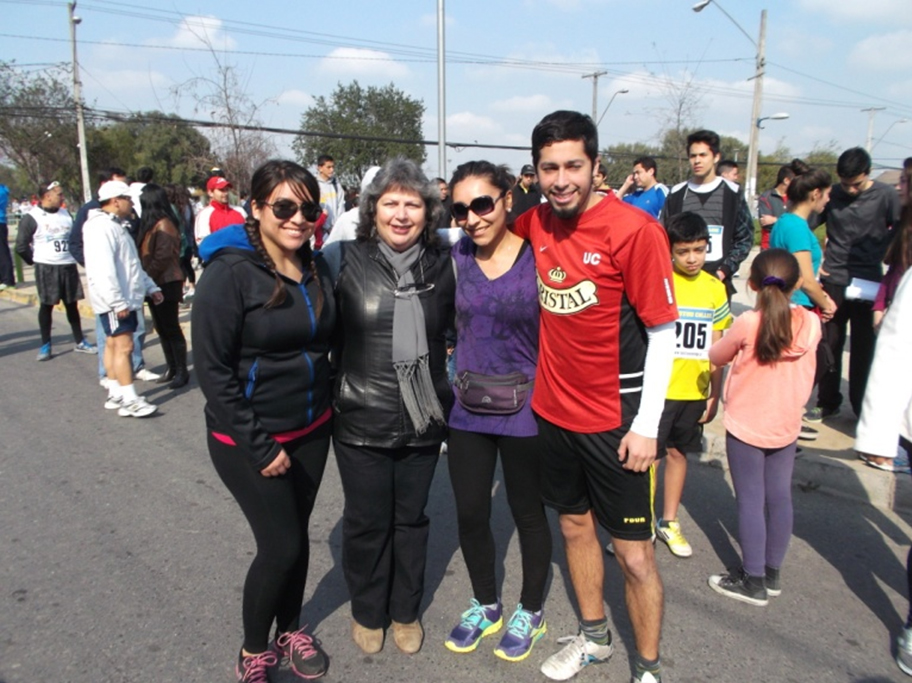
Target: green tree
x,y
175,150
38,125
359,113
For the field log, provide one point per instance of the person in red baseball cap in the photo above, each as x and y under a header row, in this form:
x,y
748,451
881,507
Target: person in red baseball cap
x,y
219,213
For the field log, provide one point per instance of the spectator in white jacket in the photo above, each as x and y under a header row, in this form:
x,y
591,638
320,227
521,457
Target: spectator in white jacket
x,y
118,286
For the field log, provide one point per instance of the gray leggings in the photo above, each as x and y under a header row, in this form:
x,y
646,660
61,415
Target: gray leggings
x,y
763,488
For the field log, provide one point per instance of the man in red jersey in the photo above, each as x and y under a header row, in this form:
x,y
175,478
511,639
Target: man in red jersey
x,y
606,350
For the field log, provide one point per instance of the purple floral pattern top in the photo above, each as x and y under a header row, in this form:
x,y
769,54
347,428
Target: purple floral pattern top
x,y
496,333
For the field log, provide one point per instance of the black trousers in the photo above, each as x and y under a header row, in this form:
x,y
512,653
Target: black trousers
x,y
385,529
859,315
165,315
7,274
472,458
278,511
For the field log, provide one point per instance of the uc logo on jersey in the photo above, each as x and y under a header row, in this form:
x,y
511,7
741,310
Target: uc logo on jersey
x,y
593,258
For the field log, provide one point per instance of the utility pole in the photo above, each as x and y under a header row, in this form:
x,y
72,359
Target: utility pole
x,y
80,117
753,152
594,76
869,143
441,91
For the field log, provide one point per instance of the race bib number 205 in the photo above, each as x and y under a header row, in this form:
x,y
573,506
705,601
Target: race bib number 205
x,y
694,333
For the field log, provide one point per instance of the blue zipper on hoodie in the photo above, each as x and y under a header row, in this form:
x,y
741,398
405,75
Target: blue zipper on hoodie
x,y
313,334
251,379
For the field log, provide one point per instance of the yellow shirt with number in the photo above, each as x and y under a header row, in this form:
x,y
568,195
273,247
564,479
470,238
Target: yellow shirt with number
x,y
702,308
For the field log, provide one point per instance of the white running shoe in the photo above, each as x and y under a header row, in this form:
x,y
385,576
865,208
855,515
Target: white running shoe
x,y
577,654
113,403
147,375
138,408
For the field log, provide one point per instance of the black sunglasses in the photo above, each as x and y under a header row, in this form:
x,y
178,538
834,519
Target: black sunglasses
x,y
480,206
284,209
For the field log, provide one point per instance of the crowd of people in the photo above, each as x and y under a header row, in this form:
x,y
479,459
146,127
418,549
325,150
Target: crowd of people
x,y
577,333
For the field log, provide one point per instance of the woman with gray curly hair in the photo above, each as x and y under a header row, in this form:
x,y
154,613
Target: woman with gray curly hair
x,y
395,287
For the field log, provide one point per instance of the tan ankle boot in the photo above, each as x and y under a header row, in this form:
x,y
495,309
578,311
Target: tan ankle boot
x,y
408,637
370,640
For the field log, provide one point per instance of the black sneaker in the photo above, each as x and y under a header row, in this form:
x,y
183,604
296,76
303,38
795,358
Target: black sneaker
x,y
819,414
739,585
304,657
773,587
808,433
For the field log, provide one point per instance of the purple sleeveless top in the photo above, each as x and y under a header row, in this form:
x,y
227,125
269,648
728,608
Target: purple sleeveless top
x,y
496,333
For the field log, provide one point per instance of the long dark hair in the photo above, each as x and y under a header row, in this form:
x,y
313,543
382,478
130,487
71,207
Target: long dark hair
x,y
155,206
305,187
804,183
774,274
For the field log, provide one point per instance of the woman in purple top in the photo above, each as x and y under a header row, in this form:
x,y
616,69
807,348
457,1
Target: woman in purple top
x,y
497,343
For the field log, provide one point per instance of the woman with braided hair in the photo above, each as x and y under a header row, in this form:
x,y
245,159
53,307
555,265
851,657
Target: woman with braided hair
x,y
262,321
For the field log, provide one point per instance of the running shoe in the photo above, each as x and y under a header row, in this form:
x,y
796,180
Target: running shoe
x,y
255,668
808,433
44,353
305,658
146,375
773,586
524,629
646,677
904,651
138,408
578,653
114,403
86,347
670,533
474,624
819,414
739,585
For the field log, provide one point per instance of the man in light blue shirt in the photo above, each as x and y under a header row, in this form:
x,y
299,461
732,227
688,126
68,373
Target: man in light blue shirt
x,y
649,194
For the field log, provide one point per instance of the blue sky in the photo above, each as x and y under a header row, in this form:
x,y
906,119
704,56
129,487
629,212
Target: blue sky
x,y
509,62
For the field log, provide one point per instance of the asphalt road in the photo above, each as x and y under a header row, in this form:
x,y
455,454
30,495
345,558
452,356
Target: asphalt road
x,y
122,558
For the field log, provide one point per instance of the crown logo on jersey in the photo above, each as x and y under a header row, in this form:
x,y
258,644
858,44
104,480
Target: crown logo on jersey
x,y
557,274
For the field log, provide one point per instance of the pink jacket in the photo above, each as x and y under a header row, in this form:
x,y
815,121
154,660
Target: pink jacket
x,y
764,403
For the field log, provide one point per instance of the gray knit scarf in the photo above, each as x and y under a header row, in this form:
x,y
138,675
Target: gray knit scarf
x,y
410,347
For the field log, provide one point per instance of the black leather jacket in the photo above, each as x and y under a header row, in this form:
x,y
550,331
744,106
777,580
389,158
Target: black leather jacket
x,y
367,403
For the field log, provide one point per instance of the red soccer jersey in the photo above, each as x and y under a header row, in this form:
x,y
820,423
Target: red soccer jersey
x,y
603,277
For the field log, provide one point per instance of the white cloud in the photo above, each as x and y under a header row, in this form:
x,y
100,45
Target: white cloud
x,y
887,51
295,98
360,62
892,11
201,30
523,104
469,126
901,89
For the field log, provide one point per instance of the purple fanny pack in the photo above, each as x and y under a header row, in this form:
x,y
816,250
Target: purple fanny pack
x,y
492,394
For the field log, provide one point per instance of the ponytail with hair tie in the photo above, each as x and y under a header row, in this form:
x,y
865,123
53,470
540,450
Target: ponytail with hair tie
x,y
773,280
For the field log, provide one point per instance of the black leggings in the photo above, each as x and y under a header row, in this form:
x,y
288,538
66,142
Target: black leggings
x,y
45,312
471,458
278,510
165,316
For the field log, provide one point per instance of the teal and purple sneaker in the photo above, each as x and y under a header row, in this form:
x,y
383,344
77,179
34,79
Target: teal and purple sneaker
x,y
523,631
474,624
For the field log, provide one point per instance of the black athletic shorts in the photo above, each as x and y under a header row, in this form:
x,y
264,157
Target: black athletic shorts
x,y
581,472
680,427
56,283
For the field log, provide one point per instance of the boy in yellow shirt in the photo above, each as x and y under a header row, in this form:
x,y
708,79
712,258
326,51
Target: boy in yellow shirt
x,y
693,393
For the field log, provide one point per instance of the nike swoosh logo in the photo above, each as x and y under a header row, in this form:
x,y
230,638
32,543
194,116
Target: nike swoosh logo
x,y
543,247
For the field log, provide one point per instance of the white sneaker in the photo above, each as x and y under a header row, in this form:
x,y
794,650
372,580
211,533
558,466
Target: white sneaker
x,y
147,375
576,655
113,403
646,677
103,382
138,408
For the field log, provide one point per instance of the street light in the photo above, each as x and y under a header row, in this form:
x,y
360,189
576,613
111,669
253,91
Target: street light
x,y
759,69
623,91
80,117
773,117
889,128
